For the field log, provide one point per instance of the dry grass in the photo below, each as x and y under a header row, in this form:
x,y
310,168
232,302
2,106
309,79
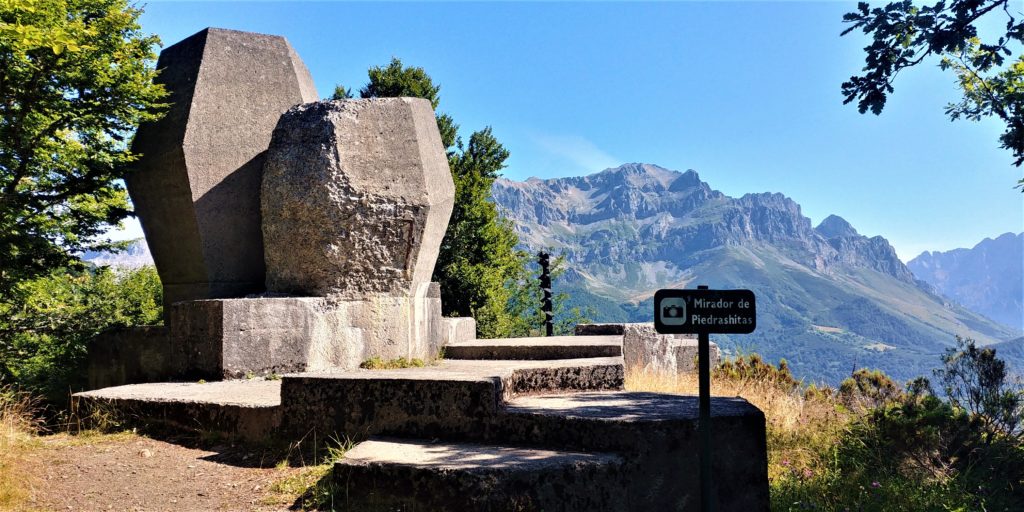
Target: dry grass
x,y
19,424
800,425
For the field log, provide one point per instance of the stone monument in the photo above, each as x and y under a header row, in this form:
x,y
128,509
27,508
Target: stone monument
x,y
289,234
196,187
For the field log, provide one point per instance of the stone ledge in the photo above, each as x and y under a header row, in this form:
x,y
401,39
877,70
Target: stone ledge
x,y
391,474
539,348
249,409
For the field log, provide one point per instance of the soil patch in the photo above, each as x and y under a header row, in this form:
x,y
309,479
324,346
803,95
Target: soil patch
x,y
128,472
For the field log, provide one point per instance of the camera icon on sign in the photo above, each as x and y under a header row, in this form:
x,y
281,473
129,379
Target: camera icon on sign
x,y
673,311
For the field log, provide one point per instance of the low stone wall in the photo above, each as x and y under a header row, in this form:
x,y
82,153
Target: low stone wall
x,y
643,347
131,355
229,338
456,329
234,338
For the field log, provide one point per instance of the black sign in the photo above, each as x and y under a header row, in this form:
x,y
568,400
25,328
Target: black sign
x,y
704,311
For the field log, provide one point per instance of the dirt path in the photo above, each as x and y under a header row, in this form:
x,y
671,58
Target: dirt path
x,y
127,472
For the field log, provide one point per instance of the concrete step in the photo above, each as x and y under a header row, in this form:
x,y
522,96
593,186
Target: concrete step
x,y
249,409
452,399
551,347
252,409
396,474
657,434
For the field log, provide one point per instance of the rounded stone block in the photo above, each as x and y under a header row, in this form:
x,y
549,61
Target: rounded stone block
x,y
196,186
356,198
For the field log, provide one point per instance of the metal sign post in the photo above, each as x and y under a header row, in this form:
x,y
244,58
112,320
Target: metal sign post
x,y
702,312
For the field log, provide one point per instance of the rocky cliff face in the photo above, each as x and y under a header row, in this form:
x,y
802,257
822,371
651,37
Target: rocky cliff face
x,y
988,278
645,213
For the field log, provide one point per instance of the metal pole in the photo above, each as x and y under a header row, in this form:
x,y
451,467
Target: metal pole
x,y
545,286
704,406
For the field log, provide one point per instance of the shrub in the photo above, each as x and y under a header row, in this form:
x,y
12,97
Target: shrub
x,y
752,367
974,379
47,323
868,389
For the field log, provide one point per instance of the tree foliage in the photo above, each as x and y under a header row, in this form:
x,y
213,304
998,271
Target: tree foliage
x,y
478,258
47,323
975,380
75,80
903,35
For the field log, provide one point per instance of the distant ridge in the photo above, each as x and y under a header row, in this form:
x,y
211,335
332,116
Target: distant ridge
x,y
987,278
829,298
136,255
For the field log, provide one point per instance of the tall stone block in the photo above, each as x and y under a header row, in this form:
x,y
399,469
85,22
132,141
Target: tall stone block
x,y
356,199
196,188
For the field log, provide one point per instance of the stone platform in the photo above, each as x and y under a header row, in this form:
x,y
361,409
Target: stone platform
x,y
249,409
252,408
519,427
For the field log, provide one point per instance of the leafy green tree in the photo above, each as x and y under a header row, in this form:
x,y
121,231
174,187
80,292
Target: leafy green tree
x,y
478,258
396,80
75,80
341,93
904,35
47,323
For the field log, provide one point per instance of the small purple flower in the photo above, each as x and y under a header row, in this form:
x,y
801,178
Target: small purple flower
x,y
875,485
808,473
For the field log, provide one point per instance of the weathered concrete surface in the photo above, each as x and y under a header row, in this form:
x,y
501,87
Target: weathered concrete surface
x,y
657,435
356,198
196,188
458,329
550,347
250,409
231,338
392,474
454,398
131,355
644,348
599,329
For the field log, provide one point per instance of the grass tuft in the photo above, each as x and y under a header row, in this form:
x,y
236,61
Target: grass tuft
x,y
376,363
19,423
313,488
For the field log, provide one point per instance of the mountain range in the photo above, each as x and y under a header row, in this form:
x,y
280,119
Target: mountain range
x,y
987,278
829,298
134,256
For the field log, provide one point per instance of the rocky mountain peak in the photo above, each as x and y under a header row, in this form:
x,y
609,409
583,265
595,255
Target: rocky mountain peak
x,y
641,212
835,226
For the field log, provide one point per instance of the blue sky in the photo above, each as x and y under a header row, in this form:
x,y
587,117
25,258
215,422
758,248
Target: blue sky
x,y
745,93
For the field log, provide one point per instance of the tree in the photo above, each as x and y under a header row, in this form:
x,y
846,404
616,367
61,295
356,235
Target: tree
x,y
341,93
478,259
75,80
47,323
904,35
975,381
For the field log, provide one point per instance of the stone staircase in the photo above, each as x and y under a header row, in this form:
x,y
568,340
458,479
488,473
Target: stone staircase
x,y
526,424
